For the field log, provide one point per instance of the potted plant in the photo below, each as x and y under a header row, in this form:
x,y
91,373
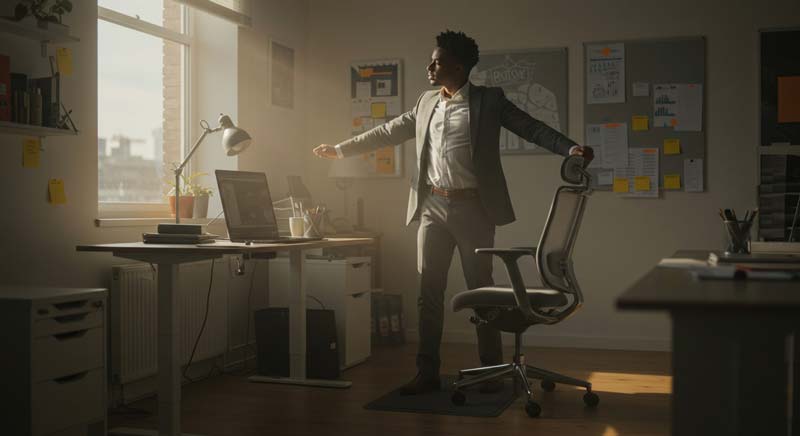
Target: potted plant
x,y
186,194
201,195
47,13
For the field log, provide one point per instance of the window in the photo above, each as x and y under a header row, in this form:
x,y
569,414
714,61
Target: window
x,y
142,54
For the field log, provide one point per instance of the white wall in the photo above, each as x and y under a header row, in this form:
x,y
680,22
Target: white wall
x,y
621,238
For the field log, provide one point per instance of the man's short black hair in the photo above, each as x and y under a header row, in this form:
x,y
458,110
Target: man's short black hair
x,y
460,46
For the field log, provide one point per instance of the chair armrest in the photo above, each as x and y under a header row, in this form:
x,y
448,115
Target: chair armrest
x,y
509,257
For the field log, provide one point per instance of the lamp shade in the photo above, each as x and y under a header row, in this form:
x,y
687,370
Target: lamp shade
x,y
234,139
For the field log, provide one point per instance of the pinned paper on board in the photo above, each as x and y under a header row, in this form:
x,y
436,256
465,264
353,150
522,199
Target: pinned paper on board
x,y
615,145
605,177
64,60
378,110
641,89
56,191
640,123
605,75
620,184
672,146
641,183
672,181
693,175
678,105
31,152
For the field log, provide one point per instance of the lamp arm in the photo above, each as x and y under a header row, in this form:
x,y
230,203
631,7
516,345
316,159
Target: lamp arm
x,y
179,169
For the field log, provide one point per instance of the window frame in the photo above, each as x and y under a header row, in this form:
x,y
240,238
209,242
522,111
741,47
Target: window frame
x,y
153,210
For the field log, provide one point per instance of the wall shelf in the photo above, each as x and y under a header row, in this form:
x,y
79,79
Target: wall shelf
x,y
30,130
34,33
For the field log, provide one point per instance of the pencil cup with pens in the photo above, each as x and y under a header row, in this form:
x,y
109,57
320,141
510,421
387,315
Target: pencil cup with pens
x,y
738,231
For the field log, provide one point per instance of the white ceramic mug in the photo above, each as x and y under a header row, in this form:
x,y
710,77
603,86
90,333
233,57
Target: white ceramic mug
x,y
297,226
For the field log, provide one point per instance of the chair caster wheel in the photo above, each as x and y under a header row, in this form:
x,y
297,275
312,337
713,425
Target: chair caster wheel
x,y
458,398
591,399
548,386
533,409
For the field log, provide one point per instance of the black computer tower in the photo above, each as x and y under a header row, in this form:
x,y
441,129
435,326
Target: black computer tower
x,y
272,342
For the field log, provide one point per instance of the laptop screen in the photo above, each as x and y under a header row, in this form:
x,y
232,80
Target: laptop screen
x,y
247,205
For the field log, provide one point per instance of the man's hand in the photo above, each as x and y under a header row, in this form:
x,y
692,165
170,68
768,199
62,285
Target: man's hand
x,y
326,151
581,150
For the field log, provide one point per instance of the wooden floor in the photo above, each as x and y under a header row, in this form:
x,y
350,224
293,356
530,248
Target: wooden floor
x,y
634,389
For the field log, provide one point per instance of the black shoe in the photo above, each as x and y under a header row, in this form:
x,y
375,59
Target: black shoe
x,y
492,386
421,384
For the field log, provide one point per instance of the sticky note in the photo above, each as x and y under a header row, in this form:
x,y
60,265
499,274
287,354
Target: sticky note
x,y
641,183
64,60
640,123
620,184
56,190
673,122
672,181
672,146
30,153
378,110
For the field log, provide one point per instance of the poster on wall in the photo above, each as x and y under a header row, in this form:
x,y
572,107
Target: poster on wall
x,y
282,74
535,81
376,96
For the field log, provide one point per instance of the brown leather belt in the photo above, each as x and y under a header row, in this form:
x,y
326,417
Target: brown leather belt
x,y
454,194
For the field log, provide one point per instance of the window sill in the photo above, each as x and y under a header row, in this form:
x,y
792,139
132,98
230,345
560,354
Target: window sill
x,y
145,222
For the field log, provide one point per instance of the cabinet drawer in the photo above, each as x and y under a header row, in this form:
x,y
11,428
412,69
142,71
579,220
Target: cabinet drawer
x,y
357,334
68,323
67,353
358,276
60,403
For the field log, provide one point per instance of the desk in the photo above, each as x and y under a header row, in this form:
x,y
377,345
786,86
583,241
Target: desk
x,y
731,369
168,257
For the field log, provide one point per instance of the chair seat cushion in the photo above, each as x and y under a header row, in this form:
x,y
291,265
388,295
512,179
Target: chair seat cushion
x,y
501,296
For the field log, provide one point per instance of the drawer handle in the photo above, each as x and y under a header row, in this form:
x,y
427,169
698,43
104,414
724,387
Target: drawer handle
x,y
359,294
71,378
70,318
359,264
70,335
70,304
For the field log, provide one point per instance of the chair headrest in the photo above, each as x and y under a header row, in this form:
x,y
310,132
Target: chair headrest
x,y
573,171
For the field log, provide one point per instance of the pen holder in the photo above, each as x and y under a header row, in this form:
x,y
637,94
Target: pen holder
x,y
738,236
313,225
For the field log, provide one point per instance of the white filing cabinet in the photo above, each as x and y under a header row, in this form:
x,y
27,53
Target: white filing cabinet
x,y
342,285
53,365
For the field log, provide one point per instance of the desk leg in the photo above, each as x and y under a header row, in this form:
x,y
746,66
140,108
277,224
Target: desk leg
x,y
169,372
297,331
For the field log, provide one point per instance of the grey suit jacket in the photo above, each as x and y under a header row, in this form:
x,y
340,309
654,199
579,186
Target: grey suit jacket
x,y
489,110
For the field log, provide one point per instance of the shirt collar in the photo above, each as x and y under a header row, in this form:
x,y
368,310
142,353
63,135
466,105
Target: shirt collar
x,y
461,95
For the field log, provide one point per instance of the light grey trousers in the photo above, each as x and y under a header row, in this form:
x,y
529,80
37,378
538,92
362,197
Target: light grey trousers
x,y
444,225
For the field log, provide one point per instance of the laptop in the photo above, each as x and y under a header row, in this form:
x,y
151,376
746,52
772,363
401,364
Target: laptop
x,y
248,209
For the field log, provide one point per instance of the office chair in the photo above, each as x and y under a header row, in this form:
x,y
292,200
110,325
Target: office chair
x,y
513,309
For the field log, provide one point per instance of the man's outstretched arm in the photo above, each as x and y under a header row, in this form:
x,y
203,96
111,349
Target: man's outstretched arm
x,y
394,132
532,130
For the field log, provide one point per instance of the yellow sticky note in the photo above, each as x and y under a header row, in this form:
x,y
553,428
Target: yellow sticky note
x,y
640,123
672,146
620,184
30,153
672,181
378,110
56,189
641,183
64,60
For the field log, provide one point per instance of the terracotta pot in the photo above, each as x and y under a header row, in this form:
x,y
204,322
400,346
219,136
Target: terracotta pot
x,y
187,206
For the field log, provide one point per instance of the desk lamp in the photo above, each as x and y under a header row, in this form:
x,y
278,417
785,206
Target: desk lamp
x,y
234,140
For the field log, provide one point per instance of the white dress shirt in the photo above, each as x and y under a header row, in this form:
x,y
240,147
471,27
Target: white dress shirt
x,y
450,151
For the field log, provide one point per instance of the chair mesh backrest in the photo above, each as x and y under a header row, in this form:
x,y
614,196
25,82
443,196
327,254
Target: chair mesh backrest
x,y
558,237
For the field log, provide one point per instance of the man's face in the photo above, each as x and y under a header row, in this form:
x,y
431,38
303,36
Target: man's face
x,y
444,69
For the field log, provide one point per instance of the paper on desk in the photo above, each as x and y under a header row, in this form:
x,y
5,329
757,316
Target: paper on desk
x,y
682,262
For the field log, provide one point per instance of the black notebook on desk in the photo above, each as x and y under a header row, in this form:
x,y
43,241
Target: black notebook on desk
x,y
758,260
178,238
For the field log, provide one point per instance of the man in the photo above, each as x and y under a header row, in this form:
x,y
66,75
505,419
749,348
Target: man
x,y
459,193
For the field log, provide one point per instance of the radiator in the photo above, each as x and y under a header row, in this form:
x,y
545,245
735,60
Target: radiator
x,y
133,323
